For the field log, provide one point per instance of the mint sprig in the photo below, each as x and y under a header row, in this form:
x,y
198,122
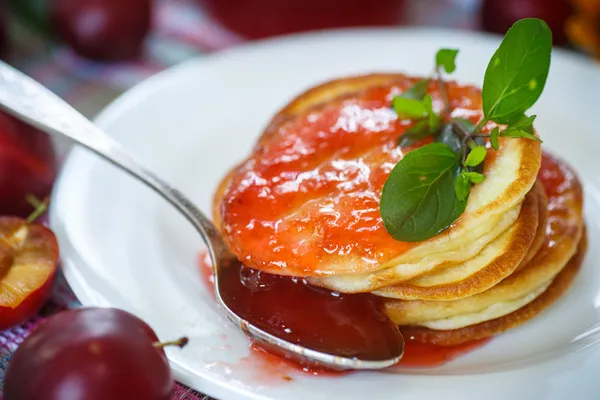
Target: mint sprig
x,y
428,189
409,108
416,104
516,74
446,58
475,157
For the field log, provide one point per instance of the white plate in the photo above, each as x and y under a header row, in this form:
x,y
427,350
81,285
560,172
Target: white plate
x,y
122,246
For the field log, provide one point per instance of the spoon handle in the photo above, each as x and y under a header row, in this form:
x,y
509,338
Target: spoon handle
x,y
31,102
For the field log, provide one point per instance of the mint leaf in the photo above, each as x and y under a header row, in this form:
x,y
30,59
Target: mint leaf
x,y
429,188
517,133
476,156
419,200
434,119
428,104
494,139
416,91
516,74
408,108
473,177
424,127
434,122
522,128
462,186
525,123
446,58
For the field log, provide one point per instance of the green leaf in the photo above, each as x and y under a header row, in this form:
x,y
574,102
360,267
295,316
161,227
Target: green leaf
x,y
516,74
409,108
476,156
416,132
525,123
448,137
462,187
416,91
446,58
522,128
428,104
433,117
424,127
473,177
434,122
494,139
517,133
418,200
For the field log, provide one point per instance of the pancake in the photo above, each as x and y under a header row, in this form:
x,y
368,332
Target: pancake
x,y
564,230
560,284
306,200
490,266
540,235
471,244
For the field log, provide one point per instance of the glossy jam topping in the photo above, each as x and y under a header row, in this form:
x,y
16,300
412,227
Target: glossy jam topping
x,y
306,202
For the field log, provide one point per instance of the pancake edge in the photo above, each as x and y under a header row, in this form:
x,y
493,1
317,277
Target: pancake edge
x,y
560,284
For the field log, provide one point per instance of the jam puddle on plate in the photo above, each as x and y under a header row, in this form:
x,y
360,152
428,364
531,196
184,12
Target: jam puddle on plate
x,y
350,325
423,355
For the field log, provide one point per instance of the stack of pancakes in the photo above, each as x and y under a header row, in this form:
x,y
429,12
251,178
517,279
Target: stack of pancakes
x,y
305,203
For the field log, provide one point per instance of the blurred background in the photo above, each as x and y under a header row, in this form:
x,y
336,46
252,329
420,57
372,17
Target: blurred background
x,y
88,51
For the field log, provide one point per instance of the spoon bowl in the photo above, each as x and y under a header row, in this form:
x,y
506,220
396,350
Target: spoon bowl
x,y
28,100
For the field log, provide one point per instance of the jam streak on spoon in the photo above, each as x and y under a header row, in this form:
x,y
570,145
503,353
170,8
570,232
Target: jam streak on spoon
x,y
317,318
347,325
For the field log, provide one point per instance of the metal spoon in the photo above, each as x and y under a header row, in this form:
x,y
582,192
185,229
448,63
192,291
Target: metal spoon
x,y
30,101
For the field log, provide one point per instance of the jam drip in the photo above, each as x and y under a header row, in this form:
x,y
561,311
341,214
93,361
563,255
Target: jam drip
x,y
348,325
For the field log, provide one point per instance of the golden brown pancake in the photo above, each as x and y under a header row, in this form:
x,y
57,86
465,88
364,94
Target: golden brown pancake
x,y
305,203
468,248
493,327
306,200
563,233
497,261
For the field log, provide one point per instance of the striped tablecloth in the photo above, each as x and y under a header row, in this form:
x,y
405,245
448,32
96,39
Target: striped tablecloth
x,y
181,31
